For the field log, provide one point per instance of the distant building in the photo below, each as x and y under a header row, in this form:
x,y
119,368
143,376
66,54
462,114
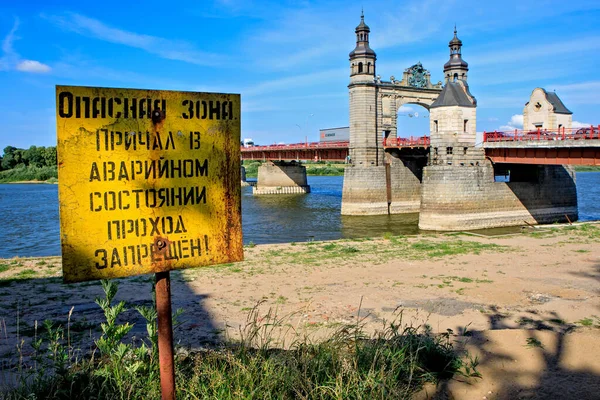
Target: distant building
x,y
335,134
545,110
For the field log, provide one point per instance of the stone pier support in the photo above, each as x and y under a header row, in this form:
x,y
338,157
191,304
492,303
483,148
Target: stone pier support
x,y
457,198
243,175
280,177
366,190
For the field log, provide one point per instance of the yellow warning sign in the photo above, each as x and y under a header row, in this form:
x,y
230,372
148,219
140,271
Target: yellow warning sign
x,y
148,180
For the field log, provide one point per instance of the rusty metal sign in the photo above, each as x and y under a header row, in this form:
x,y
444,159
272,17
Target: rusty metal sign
x,y
149,180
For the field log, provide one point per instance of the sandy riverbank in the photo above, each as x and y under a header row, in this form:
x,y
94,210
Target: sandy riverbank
x,y
525,301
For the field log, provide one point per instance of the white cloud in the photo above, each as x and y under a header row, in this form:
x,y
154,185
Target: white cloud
x,y
11,60
534,52
516,122
32,66
406,109
417,21
577,124
578,93
164,48
290,82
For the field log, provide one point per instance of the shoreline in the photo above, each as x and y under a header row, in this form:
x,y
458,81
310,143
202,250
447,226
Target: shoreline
x,y
29,182
250,176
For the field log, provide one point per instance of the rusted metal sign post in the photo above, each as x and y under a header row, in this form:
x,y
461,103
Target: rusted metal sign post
x,y
149,181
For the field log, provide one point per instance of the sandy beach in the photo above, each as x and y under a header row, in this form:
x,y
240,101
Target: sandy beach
x,y
526,305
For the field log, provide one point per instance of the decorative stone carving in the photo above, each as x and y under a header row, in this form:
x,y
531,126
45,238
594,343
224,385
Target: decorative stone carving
x,y
418,76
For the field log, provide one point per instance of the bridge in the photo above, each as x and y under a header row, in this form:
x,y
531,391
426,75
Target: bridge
x,y
454,178
314,151
544,146
564,146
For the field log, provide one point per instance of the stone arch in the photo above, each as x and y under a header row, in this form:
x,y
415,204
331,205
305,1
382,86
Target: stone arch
x,y
423,104
391,99
400,125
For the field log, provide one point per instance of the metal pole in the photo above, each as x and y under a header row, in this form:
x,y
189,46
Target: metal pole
x,y
165,335
388,185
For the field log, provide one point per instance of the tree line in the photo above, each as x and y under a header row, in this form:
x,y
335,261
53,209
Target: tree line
x,y
32,164
34,156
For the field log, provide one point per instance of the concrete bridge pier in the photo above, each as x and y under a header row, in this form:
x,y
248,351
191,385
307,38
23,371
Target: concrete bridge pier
x,y
392,188
243,175
281,177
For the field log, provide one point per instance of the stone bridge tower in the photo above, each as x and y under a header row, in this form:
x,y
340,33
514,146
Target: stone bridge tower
x,y
376,182
364,147
458,188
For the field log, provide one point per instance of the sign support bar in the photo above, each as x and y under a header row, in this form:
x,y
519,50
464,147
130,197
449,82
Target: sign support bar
x,y
165,335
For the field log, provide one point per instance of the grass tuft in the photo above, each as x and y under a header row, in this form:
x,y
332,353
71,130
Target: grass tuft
x,y
394,363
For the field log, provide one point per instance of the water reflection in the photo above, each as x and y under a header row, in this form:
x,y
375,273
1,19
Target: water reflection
x,y
378,225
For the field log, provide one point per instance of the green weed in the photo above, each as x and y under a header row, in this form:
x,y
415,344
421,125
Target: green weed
x,y
26,274
533,342
434,249
594,321
348,363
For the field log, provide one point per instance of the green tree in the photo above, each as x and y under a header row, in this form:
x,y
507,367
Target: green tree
x,y
12,157
50,156
34,156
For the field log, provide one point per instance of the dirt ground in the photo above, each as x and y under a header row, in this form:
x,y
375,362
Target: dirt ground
x,y
526,305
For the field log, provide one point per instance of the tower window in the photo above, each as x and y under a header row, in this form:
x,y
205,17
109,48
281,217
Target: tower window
x,y
455,77
435,151
465,151
368,68
435,125
360,67
448,150
465,124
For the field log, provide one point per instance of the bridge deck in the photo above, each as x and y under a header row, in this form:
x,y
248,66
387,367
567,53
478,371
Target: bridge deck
x,y
578,146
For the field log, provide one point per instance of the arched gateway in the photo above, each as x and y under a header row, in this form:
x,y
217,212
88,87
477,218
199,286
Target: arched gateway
x,y
374,106
374,103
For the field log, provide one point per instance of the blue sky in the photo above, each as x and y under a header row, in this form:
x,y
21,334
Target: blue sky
x,y
289,59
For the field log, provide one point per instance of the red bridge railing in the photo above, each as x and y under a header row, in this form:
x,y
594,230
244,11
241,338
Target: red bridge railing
x,y
593,132
298,146
422,141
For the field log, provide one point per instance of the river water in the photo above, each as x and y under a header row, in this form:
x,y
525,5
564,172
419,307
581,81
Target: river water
x,y
29,216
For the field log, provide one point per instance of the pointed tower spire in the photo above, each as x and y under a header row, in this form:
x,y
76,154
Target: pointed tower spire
x,y
456,68
362,58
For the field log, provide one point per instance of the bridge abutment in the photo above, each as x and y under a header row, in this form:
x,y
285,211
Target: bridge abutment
x,y
457,198
280,177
